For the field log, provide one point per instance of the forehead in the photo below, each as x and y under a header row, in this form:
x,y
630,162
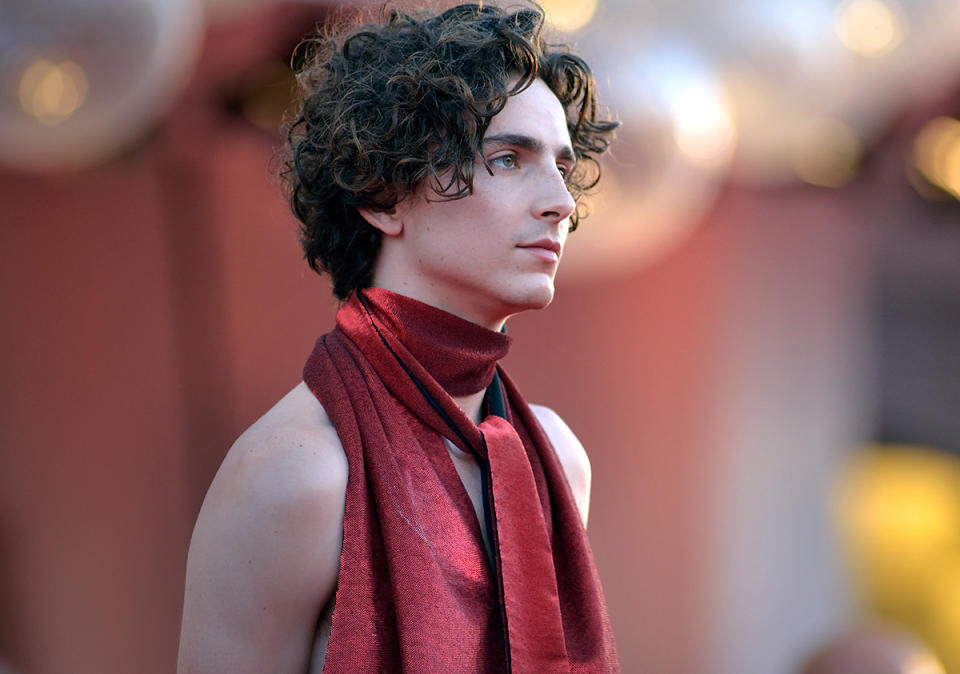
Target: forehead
x,y
534,112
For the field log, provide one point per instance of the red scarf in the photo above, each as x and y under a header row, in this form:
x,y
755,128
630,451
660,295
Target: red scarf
x,y
416,590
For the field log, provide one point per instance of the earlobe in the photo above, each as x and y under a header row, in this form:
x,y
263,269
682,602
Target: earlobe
x,y
388,222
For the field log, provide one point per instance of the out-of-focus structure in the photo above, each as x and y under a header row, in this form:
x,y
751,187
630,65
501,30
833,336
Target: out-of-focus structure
x,y
873,649
756,335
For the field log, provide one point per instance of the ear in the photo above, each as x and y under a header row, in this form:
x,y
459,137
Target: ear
x,y
389,222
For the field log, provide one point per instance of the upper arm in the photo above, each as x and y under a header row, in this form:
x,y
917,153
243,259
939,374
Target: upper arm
x,y
572,455
264,556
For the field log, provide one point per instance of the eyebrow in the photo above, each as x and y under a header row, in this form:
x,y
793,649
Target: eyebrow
x,y
530,144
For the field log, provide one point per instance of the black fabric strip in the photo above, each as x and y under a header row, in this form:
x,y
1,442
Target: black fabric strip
x,y
495,407
495,403
496,564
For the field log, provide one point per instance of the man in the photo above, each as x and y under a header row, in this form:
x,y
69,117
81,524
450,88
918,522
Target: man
x,y
404,509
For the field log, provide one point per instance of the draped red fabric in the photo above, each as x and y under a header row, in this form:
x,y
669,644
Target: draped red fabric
x,y
416,591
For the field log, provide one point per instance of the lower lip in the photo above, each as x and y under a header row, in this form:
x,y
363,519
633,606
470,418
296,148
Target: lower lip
x,y
544,254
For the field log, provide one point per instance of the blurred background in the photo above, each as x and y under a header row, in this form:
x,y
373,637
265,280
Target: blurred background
x,y
756,332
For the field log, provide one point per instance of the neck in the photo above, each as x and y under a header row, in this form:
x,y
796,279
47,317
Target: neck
x,y
472,405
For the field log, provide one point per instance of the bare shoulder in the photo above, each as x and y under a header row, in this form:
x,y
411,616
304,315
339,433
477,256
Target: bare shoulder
x,y
264,556
572,455
291,452
290,463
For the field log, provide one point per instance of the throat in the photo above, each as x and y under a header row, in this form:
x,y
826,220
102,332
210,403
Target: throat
x,y
469,472
472,405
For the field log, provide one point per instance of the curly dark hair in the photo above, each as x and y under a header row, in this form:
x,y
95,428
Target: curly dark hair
x,y
388,105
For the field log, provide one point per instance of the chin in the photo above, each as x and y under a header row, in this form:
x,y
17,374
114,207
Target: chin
x,y
534,298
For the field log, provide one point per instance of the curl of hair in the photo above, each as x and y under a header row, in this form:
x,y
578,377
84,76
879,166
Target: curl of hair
x,y
390,105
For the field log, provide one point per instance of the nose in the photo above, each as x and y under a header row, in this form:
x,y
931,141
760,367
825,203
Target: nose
x,y
555,203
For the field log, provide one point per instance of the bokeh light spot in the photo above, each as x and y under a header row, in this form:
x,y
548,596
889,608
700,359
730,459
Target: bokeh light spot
x,y
825,152
936,153
704,131
870,27
943,612
899,514
52,92
569,15
923,664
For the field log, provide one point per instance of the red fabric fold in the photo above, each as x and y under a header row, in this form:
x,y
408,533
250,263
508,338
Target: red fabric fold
x,y
416,592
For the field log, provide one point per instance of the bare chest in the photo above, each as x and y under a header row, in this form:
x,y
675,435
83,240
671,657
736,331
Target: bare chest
x,y
469,472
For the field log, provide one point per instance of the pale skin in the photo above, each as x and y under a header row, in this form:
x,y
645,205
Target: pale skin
x,y
265,553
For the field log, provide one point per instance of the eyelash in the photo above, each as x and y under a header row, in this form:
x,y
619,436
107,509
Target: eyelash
x,y
564,171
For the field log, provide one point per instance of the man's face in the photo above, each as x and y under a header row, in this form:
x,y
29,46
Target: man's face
x,y
496,251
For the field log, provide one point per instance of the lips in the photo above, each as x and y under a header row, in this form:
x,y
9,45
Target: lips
x,y
545,244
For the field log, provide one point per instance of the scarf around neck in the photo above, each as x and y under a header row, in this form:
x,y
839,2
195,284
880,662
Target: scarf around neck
x,y
416,590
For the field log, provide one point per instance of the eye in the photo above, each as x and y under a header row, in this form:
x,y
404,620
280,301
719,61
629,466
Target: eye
x,y
507,161
564,170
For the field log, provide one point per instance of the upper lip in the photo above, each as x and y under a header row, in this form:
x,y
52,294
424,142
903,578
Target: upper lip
x,y
549,244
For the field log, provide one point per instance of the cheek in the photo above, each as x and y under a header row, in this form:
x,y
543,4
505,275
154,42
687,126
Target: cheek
x,y
498,207
481,216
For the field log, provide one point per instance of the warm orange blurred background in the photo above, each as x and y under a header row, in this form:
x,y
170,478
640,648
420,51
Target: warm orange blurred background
x,y
768,286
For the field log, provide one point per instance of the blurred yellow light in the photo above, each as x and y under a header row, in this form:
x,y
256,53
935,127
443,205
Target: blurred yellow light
x,y
951,169
923,664
899,511
569,15
870,27
825,152
943,612
936,153
51,92
704,132
907,501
